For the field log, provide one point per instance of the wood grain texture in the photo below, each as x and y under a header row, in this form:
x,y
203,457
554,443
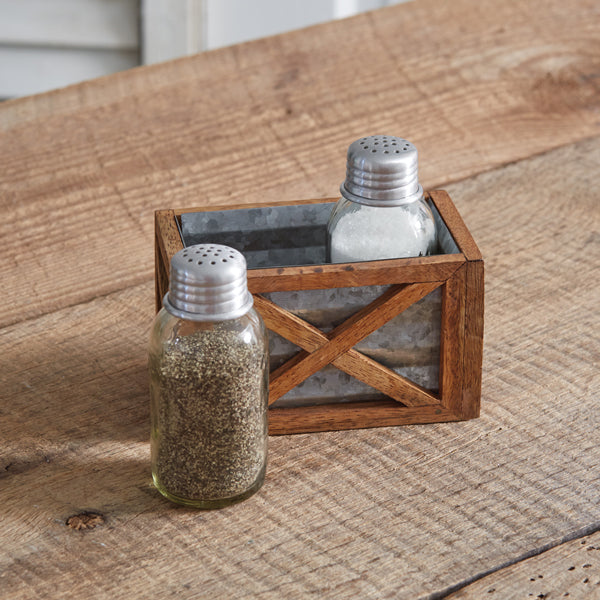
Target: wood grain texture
x,y
404,270
473,340
168,234
355,415
167,242
452,341
389,513
570,570
451,217
473,87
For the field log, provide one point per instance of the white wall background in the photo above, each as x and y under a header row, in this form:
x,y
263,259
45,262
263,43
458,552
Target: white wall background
x,y
233,21
45,44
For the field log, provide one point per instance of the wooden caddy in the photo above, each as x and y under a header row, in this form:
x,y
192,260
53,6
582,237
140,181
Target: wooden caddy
x,y
460,277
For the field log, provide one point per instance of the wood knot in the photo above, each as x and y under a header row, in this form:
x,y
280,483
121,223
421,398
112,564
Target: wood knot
x,y
85,520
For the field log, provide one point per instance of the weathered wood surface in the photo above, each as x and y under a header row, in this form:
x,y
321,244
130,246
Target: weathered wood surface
x,y
406,512
571,570
473,84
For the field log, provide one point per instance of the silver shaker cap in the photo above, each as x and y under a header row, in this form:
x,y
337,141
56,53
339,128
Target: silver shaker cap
x,y
382,170
208,282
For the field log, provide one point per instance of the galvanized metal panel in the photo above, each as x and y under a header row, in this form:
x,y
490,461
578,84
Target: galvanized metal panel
x,y
409,344
296,235
268,236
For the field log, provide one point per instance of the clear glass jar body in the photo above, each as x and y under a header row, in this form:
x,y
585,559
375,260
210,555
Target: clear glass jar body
x,y
357,232
209,394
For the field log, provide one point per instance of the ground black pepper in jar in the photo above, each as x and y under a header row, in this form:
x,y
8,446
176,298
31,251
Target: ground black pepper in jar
x,y
209,382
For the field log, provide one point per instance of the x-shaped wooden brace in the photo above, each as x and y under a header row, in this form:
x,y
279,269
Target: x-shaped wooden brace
x,y
320,349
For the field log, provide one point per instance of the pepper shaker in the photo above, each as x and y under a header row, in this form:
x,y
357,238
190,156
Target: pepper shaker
x,y
208,365
382,212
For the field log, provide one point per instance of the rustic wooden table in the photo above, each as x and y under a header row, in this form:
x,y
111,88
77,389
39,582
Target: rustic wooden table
x,y
503,101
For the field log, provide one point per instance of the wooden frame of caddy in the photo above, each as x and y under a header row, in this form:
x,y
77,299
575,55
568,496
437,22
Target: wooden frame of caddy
x,y
460,277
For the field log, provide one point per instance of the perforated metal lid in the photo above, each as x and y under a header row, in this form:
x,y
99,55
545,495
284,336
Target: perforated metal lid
x,y
382,170
208,282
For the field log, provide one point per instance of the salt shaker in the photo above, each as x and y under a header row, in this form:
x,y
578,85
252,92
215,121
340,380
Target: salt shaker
x,y
208,365
382,212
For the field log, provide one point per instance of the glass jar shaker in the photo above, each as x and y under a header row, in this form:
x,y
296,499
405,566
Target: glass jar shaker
x,y
382,212
208,365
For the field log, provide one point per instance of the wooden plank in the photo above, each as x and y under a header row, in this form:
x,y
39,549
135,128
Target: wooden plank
x,y
101,24
344,336
272,119
289,326
473,340
167,234
385,380
570,569
168,241
452,340
455,224
427,269
356,415
354,363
